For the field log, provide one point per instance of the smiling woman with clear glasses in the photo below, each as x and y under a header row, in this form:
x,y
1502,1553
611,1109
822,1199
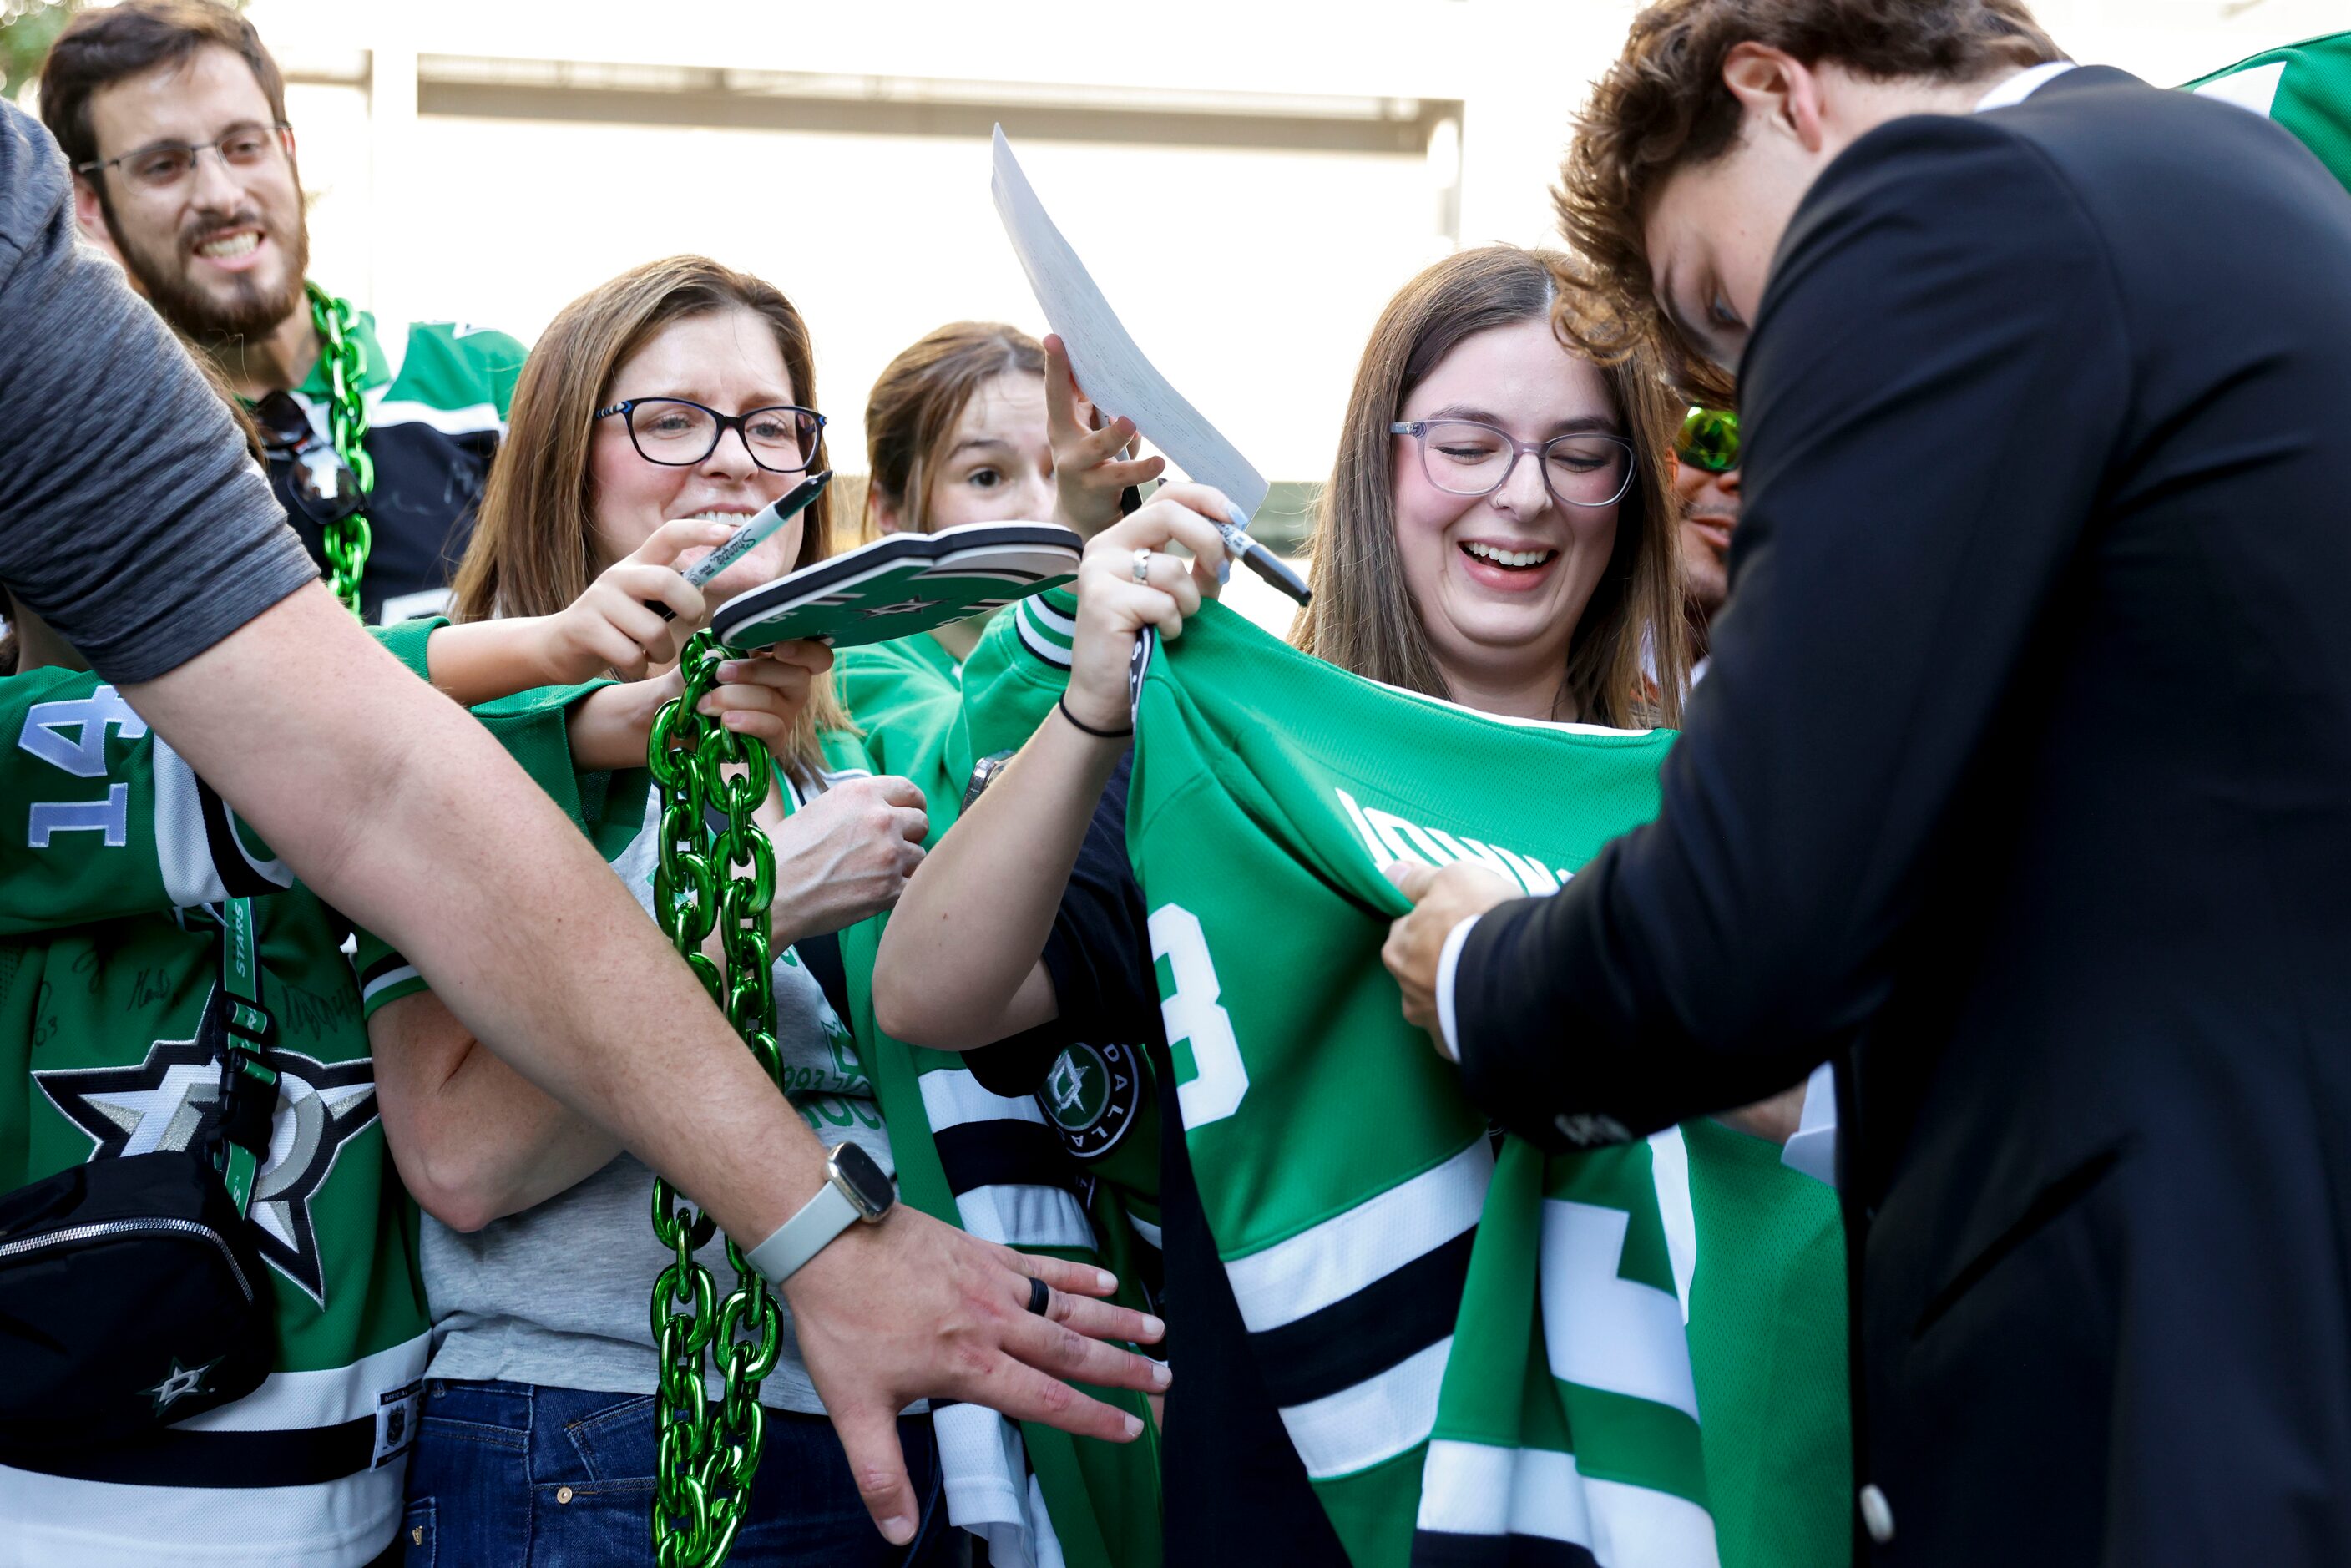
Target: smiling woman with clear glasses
x,y
1474,458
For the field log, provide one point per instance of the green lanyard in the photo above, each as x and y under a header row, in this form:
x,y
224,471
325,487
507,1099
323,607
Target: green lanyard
x,y
248,1084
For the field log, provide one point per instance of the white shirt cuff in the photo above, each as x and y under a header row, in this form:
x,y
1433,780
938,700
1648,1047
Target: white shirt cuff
x,y
1449,1033
1813,1149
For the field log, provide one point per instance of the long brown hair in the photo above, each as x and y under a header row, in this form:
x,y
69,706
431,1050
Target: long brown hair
x,y
1363,618
535,545
917,400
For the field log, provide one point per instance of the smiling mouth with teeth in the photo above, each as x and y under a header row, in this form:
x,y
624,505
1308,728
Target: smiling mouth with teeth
x,y
228,246
1508,560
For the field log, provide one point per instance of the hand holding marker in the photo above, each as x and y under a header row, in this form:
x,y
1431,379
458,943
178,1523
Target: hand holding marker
x,y
753,534
1238,545
1259,560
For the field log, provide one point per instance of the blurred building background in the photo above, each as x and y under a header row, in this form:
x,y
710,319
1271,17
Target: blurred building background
x,y
1248,181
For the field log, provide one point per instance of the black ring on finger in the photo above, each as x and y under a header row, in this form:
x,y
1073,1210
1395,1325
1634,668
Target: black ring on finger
x,y
1040,1295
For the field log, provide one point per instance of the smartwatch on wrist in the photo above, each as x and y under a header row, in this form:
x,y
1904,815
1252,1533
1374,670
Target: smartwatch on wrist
x,y
854,1189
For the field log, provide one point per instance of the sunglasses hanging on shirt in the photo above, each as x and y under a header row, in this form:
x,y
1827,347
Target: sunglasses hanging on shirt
x,y
317,478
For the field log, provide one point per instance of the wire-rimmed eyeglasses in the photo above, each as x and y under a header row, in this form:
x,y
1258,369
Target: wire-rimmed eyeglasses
x,y
677,434
166,164
1469,457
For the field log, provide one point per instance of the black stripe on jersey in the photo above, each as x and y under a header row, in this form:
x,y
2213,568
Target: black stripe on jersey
x,y
304,1457
236,874
1004,1153
1362,1335
1439,1549
380,968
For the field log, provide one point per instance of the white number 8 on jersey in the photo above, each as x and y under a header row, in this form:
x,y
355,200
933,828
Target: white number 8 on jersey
x,y
1192,1014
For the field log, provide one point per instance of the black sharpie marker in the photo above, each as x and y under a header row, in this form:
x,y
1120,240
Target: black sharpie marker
x,y
752,535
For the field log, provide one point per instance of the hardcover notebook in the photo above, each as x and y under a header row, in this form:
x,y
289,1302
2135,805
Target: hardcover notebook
x,y
903,584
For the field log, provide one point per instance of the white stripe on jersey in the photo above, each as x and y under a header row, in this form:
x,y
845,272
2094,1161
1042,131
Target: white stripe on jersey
x,y
289,1401
1025,1217
468,421
1333,1261
399,975
953,1097
1374,1420
1473,1489
52,1521
1014,1216
1669,1176
1600,1330
181,851
1036,643
1050,619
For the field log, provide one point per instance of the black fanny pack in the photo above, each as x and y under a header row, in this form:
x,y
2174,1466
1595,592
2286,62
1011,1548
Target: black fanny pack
x,y
131,1295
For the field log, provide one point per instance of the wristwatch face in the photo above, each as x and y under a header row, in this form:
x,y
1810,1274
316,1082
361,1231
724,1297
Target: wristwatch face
x,y
864,1183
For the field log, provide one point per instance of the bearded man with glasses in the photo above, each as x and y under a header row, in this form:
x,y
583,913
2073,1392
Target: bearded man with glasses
x,y
173,116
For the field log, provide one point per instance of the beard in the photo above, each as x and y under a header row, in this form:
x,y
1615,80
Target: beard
x,y
233,305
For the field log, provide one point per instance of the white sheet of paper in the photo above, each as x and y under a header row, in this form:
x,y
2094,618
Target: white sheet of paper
x,y
1115,374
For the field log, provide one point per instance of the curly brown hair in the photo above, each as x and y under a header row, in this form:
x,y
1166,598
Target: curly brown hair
x,y
1662,106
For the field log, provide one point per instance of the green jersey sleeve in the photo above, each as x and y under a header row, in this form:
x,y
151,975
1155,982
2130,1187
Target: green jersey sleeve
x,y
905,698
104,818
406,641
1018,672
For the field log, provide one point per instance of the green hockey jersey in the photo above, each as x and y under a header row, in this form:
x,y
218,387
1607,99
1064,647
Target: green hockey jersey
x,y
1480,1358
1018,670
109,850
907,698
2304,86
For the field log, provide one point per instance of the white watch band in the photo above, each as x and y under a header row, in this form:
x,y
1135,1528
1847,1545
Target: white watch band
x,y
805,1234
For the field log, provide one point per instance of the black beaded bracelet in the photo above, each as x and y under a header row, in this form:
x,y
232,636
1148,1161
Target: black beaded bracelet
x,y
1063,703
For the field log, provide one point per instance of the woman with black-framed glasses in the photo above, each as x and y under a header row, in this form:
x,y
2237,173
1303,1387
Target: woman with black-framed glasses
x,y
674,393
678,432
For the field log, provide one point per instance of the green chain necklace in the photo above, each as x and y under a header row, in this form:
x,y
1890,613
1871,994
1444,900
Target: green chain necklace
x,y
708,1454
344,357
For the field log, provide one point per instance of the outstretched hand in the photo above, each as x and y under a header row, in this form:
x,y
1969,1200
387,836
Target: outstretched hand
x,y
1442,899
1090,468
912,1309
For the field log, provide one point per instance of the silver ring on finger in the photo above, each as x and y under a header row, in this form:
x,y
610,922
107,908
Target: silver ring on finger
x,y
1142,567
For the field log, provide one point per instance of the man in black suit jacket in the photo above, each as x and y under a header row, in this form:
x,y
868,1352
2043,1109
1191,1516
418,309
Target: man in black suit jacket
x,y
2021,782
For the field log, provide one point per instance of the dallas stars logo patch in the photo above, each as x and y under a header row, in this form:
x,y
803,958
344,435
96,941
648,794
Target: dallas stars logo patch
x,y
172,1099
1090,1097
183,1382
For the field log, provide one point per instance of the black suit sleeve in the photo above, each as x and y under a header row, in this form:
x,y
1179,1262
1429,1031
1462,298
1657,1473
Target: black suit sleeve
x,y
1933,390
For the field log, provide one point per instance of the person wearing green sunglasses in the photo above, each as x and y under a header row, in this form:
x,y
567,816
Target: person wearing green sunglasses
x,y
1706,481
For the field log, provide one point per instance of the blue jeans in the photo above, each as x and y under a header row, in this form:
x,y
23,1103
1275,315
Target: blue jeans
x,y
506,1475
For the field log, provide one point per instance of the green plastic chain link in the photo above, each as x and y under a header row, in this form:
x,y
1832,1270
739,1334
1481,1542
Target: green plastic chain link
x,y
349,540
707,1455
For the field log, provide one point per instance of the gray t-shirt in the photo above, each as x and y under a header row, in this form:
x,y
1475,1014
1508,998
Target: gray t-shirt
x,y
559,1294
132,518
